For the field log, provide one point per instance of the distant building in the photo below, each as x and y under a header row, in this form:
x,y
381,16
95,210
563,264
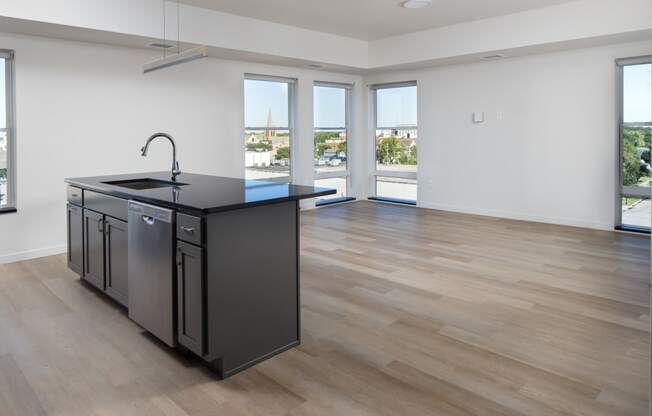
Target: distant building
x,y
258,159
403,132
330,153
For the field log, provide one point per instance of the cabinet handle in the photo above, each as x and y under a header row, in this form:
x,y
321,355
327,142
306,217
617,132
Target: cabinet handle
x,y
100,226
189,230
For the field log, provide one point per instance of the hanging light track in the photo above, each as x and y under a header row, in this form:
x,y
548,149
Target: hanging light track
x,y
179,57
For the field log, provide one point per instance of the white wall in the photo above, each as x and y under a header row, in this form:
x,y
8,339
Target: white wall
x,y
550,158
85,109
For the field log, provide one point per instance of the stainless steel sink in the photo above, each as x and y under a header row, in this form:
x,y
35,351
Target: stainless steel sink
x,y
145,183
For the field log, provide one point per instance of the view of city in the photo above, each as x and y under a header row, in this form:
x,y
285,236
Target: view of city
x,y
267,153
267,129
396,142
3,137
636,172
3,168
636,144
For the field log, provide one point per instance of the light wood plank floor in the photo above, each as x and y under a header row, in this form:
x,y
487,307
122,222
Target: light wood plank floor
x,y
405,312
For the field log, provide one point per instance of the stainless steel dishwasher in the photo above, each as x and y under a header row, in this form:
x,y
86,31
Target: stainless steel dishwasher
x,y
151,269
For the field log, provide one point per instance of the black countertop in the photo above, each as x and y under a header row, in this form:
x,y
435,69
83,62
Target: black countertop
x,y
202,193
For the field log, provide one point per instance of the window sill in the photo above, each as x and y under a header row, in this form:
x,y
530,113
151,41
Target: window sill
x,y
633,229
332,201
8,210
393,200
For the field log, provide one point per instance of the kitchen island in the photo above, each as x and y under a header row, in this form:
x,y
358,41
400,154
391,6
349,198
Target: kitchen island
x,y
208,265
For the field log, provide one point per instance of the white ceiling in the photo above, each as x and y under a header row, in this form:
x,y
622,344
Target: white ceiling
x,y
369,19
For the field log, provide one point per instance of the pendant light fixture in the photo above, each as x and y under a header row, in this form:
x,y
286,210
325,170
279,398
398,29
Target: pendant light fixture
x,y
179,57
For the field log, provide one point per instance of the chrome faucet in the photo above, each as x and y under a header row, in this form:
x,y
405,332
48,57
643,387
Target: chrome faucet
x,y
175,164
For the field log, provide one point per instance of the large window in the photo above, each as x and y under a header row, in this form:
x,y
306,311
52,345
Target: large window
x,y
395,141
635,108
268,127
7,136
331,153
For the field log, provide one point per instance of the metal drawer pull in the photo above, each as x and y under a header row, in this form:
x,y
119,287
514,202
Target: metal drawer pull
x,y
190,230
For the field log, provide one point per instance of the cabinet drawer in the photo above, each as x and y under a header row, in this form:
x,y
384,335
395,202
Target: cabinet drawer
x,y
189,229
75,196
108,205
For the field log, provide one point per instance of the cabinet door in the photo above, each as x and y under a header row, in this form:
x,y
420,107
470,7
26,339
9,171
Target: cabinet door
x,y
116,257
75,239
94,248
190,297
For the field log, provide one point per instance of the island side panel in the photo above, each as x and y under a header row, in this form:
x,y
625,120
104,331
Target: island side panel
x,y
252,284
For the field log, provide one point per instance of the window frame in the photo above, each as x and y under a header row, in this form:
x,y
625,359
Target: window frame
x,y
346,173
292,94
10,130
621,125
373,115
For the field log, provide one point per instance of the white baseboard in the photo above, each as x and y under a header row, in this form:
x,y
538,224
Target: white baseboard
x,y
572,222
32,254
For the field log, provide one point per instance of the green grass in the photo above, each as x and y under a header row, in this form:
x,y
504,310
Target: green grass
x,y
630,200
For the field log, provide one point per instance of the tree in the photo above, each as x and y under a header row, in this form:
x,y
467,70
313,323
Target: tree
x,y
389,151
259,146
320,149
322,136
283,153
636,155
341,147
631,163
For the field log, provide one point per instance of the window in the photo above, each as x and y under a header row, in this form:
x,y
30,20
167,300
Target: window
x,y
331,153
635,113
268,127
7,135
395,142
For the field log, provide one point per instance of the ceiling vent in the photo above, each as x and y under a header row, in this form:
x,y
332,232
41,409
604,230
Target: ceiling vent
x,y
493,57
161,45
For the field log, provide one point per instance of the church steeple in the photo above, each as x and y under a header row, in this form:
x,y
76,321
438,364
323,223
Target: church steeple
x,y
269,133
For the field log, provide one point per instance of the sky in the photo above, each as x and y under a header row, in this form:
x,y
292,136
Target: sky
x,y
262,96
637,86
329,107
396,106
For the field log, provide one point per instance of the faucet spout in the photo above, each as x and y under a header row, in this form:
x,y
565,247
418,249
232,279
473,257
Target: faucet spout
x,y
175,163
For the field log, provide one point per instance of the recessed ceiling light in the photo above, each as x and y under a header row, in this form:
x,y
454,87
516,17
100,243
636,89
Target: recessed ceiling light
x,y
416,4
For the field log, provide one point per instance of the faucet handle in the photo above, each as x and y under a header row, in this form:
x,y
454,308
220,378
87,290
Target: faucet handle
x,y
176,170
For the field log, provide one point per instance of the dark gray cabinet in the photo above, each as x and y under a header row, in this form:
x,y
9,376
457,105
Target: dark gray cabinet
x,y
116,256
190,297
75,239
94,248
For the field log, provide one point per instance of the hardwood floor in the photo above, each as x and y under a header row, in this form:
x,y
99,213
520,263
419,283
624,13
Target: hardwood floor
x,y
404,312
